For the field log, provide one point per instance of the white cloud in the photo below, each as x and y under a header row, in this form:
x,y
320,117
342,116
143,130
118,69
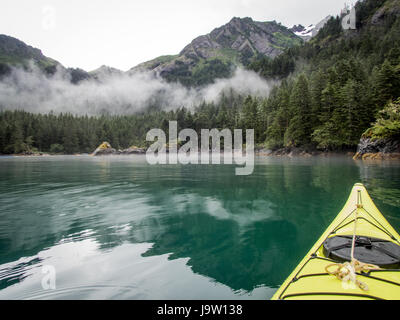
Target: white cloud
x,y
117,94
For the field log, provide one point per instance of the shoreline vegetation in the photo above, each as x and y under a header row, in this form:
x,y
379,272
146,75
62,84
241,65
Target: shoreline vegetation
x,y
305,155
23,133
380,142
105,149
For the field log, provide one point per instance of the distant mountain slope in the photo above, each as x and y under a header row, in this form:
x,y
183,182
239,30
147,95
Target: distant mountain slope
x,y
320,25
306,33
15,52
214,54
104,72
303,32
207,57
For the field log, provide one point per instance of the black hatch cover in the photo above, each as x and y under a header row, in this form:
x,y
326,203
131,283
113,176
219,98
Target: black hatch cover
x,y
380,252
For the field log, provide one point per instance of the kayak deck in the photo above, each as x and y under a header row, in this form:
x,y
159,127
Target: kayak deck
x,y
310,281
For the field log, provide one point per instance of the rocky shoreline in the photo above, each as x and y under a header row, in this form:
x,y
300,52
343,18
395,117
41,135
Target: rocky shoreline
x,y
378,149
368,149
300,152
106,149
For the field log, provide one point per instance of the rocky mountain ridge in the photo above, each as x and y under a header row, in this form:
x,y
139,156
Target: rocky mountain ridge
x,y
233,44
15,52
210,56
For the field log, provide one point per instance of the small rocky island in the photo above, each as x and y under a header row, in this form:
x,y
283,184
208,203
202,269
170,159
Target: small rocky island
x,y
106,149
378,149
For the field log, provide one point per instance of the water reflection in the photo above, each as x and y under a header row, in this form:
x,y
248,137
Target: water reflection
x,y
14,273
118,228
382,179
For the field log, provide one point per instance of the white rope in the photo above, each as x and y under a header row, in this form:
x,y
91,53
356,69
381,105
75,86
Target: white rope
x,y
347,271
353,244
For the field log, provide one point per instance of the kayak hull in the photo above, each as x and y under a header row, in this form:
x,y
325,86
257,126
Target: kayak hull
x,y
310,280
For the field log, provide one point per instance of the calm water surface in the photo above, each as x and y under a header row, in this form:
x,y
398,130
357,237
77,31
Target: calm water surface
x,y
117,228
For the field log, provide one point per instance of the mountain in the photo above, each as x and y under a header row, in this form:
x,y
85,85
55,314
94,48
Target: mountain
x,y
303,32
339,83
320,25
306,33
244,36
104,72
100,74
333,89
216,53
15,52
207,57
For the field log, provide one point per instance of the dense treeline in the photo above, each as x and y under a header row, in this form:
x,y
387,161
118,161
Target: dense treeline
x,y
339,82
23,132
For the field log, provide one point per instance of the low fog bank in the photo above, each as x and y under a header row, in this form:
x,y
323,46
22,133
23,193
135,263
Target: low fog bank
x,y
33,91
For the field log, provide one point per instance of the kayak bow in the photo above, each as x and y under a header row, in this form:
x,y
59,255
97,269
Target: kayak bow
x,y
357,258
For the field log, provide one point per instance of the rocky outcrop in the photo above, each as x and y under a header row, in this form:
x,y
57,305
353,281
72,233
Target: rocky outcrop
x,y
377,156
378,149
390,9
133,150
290,152
263,151
106,149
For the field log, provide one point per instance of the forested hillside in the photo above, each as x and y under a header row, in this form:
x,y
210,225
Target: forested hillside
x,y
333,86
23,132
215,55
331,90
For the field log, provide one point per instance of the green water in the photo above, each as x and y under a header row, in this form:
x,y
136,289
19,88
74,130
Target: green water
x,y
117,228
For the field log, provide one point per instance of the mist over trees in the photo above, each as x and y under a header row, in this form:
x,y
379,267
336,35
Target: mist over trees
x,y
24,132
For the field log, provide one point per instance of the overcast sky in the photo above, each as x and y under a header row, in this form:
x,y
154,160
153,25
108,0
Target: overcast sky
x,y
123,33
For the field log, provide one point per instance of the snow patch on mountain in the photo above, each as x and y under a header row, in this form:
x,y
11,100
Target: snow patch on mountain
x,y
306,33
303,32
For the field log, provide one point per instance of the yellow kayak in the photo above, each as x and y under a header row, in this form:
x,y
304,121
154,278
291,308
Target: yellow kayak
x,y
357,258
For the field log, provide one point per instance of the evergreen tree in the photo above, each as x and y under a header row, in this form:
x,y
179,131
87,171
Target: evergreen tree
x,y
388,82
299,130
71,140
16,143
